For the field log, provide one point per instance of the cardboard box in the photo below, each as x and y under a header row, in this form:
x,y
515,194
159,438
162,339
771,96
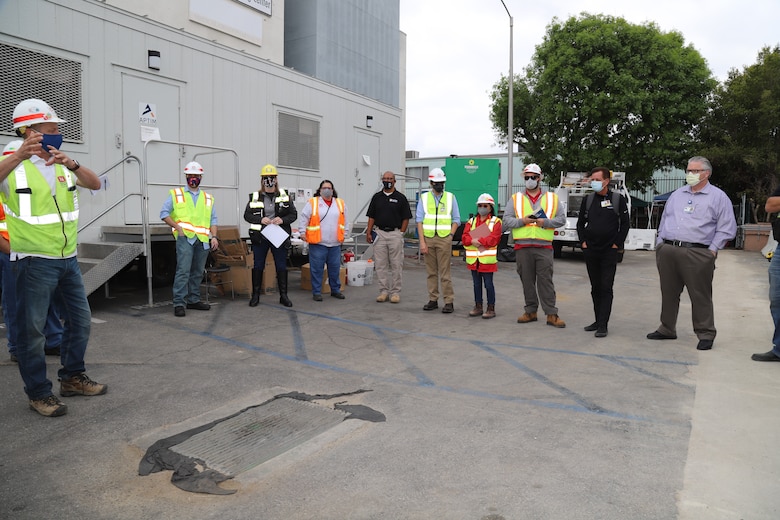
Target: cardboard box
x,y
306,278
241,276
755,236
230,241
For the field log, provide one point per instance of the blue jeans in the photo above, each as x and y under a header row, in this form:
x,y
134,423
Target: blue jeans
x,y
39,281
478,278
774,298
190,263
320,255
52,330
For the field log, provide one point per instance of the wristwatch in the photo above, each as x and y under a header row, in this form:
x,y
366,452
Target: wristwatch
x,y
76,167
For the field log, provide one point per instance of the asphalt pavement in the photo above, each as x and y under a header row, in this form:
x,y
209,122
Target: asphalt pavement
x,y
485,419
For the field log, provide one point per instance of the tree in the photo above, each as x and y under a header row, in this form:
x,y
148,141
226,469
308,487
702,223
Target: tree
x,y
602,91
741,134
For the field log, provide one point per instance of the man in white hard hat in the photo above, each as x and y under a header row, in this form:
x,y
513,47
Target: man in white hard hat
x,y
190,213
532,216
437,219
38,188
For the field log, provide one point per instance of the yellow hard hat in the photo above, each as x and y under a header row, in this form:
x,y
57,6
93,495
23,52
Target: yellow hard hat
x,y
268,170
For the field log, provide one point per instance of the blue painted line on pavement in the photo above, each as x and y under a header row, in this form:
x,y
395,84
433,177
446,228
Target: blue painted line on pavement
x,y
298,341
414,370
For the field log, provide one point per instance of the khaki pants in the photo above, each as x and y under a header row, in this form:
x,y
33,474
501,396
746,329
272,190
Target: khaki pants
x,y
389,260
535,267
437,265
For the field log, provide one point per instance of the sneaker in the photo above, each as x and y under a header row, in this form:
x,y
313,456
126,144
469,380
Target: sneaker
x,y
527,317
396,298
179,311
53,351
382,298
49,406
81,384
199,306
554,321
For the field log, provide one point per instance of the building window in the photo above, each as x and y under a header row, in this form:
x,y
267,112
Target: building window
x,y
299,142
30,74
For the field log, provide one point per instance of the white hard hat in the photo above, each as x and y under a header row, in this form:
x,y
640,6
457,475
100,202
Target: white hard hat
x,y
32,111
12,147
486,198
193,168
437,175
533,168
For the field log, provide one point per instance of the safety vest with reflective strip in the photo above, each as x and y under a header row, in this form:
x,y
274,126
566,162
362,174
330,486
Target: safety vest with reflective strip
x,y
194,219
488,254
524,207
313,231
437,222
257,202
3,224
42,224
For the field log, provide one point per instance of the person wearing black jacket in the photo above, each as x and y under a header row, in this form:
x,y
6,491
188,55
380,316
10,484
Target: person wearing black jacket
x,y
602,227
270,205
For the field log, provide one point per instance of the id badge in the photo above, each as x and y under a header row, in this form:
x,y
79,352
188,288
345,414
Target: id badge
x,y
606,203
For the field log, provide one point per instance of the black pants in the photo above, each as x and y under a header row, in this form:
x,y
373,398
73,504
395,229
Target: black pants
x,y
602,265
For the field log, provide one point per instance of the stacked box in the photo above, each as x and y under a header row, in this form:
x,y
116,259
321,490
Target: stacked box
x,y
306,278
236,253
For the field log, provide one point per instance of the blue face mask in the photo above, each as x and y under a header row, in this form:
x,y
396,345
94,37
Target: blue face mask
x,y
54,140
597,186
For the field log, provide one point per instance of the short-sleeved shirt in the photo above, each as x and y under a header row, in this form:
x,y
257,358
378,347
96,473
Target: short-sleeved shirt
x,y
389,210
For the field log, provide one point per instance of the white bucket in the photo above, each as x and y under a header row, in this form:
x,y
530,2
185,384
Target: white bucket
x,y
356,273
369,273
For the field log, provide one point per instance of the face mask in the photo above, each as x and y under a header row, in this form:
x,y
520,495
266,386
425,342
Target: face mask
x,y
326,192
388,185
193,182
483,212
597,186
438,187
693,179
531,184
54,140
269,182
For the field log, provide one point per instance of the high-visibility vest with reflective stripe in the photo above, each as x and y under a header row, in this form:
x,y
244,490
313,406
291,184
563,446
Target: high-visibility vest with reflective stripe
x,y
257,202
488,254
524,207
194,219
313,231
3,224
42,224
437,222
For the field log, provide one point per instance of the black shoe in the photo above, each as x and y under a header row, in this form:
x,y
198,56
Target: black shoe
x,y
590,328
431,305
657,335
179,311
255,299
15,359
448,308
53,351
704,344
601,332
338,295
317,297
199,306
766,356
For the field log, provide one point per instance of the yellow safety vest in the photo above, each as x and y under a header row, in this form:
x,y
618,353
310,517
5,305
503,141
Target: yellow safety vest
x,y
524,207
195,220
488,254
258,201
313,231
437,222
39,223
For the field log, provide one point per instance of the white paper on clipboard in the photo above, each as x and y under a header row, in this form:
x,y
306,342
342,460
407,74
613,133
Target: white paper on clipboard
x,y
275,234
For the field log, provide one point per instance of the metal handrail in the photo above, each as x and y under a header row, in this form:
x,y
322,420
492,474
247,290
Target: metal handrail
x,y
128,158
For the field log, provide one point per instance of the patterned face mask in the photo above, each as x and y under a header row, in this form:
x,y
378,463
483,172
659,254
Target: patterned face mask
x,y
269,182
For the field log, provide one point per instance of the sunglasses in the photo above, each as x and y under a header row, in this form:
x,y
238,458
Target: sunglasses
x,y
529,177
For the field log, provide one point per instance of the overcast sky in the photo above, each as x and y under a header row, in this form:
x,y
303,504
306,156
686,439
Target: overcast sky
x,y
457,49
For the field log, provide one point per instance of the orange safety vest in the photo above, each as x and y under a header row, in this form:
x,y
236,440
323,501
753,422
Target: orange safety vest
x,y
313,232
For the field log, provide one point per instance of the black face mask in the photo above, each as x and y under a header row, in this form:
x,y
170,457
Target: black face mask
x,y
438,187
388,185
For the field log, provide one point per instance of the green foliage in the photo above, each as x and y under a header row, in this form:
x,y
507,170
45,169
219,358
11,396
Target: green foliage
x,y
741,135
602,91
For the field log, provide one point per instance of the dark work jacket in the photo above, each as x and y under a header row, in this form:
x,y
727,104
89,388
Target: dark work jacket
x,y
282,209
603,226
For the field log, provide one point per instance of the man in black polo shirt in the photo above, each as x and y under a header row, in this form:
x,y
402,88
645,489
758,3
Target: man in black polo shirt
x,y
388,215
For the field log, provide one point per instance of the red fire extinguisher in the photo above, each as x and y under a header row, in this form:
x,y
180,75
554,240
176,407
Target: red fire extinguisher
x,y
349,256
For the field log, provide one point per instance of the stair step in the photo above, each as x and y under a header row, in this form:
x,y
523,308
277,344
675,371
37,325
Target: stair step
x,y
99,261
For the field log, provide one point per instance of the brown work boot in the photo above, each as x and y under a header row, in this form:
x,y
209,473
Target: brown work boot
x,y
49,406
490,312
81,384
554,321
477,310
527,317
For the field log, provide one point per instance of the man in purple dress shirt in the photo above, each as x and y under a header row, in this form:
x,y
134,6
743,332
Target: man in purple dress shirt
x,y
697,221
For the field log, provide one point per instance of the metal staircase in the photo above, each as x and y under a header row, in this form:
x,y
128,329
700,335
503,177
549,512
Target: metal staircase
x,y
99,261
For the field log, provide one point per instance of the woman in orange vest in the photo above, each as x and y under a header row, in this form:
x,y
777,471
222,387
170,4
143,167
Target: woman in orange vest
x,y
480,239
323,224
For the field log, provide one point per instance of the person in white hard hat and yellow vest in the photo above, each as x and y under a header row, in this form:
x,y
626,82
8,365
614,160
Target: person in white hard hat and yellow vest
x,y
437,219
38,189
481,237
190,213
532,216
271,206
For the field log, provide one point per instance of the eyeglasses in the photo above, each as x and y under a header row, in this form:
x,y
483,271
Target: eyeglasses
x,y
696,171
529,177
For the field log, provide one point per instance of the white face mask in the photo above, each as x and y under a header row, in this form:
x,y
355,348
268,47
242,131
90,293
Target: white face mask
x,y
693,178
531,184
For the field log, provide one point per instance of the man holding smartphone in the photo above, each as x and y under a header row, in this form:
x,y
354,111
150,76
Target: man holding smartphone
x,y
533,216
